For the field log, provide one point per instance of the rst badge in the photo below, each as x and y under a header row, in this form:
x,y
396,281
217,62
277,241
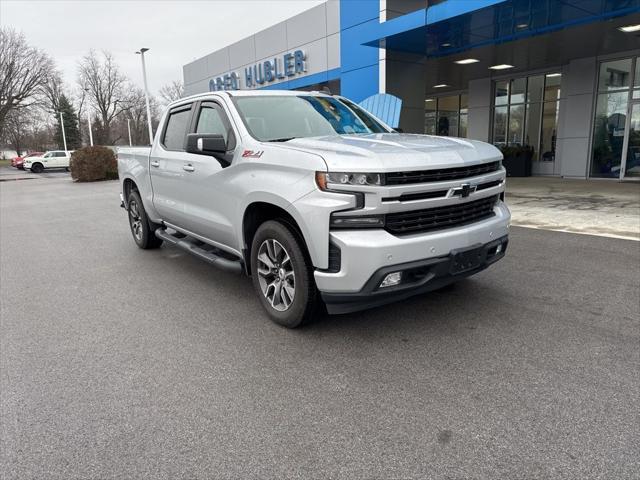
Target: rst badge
x,y
252,153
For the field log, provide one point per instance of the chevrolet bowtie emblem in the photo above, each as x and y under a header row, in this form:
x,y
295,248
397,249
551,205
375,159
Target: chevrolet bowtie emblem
x,y
464,190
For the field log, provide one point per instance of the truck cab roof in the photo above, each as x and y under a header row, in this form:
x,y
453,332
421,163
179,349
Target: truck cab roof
x,y
248,93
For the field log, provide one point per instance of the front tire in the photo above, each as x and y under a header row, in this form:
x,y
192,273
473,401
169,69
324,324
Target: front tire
x,y
37,168
282,274
142,229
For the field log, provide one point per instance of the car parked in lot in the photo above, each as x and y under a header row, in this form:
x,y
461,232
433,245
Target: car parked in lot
x,y
316,199
51,159
18,162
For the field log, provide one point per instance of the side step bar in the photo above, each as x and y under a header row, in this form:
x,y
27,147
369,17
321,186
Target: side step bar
x,y
196,248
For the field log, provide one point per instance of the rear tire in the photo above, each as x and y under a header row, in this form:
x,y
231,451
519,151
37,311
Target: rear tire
x,y
142,229
37,168
282,274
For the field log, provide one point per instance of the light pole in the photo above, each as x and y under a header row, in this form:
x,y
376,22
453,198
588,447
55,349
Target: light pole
x,y
64,137
129,128
89,120
146,92
90,133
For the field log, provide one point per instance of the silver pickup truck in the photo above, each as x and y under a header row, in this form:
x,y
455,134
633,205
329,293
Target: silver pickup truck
x,y
317,200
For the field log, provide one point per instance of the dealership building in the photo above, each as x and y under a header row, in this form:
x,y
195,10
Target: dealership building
x,y
561,77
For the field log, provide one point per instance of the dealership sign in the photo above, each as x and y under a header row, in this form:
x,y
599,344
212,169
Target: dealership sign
x,y
289,65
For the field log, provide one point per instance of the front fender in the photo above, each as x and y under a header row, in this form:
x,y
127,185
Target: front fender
x,y
311,213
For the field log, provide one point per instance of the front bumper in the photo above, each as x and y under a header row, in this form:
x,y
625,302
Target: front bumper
x,y
420,276
364,252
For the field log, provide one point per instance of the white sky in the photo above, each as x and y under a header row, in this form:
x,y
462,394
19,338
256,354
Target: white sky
x,y
176,32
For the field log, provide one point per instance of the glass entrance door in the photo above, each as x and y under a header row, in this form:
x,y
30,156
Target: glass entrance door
x,y
631,157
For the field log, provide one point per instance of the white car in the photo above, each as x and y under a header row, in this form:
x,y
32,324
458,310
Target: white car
x,y
51,159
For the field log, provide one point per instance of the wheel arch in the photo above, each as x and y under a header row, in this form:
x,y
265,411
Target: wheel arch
x,y
258,212
128,185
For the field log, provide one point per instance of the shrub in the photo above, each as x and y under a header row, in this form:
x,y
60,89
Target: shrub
x,y
91,164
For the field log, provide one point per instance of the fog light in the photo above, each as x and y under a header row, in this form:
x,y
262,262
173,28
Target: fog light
x,y
499,248
391,279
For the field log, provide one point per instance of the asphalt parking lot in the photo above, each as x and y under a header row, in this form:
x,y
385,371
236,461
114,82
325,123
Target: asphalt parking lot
x,y
122,363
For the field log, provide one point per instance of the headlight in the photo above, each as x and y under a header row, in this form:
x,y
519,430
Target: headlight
x,y
326,180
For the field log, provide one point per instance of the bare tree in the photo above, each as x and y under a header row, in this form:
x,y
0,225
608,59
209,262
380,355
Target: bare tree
x,y
107,91
136,116
16,126
24,71
53,89
26,129
171,92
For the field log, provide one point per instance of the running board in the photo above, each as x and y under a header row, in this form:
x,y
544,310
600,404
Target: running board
x,y
196,248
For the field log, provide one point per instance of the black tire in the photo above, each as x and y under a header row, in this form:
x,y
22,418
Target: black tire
x,y
305,302
37,168
142,229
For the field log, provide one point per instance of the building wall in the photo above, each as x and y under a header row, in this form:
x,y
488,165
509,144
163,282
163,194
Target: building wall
x,y
576,117
359,64
315,31
331,35
479,119
405,78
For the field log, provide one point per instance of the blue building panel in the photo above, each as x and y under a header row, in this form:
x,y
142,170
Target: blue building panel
x,y
359,63
355,12
360,84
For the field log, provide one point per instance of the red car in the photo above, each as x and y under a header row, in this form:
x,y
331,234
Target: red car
x,y
19,161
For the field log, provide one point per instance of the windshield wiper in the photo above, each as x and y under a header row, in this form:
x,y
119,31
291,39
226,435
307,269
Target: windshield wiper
x,y
282,139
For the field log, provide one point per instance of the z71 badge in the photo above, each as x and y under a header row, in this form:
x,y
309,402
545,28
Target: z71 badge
x,y
252,153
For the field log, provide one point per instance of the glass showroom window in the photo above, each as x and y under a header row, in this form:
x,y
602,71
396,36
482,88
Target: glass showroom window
x,y
446,116
617,91
525,113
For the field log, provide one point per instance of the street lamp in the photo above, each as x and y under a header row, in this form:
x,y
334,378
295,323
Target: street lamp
x,y
64,137
90,132
89,120
146,92
129,128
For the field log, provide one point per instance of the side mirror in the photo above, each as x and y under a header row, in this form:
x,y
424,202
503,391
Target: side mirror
x,y
206,143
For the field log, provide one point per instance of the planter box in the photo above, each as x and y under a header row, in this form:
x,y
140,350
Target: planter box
x,y
518,165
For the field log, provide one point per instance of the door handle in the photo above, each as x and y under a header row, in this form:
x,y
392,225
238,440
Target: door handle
x,y
188,168
155,164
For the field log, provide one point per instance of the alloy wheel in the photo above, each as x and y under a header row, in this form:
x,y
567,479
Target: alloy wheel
x,y
134,220
275,275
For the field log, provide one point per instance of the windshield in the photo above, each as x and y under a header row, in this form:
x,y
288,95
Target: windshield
x,y
282,118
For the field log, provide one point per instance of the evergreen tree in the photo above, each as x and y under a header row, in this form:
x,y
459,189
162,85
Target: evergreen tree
x,y
71,130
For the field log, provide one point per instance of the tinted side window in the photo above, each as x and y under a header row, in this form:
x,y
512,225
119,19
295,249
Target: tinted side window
x,y
210,121
176,130
60,154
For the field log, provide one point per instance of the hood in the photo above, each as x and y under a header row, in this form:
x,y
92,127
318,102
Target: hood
x,y
392,152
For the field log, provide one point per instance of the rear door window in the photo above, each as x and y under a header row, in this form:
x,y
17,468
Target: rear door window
x,y
176,130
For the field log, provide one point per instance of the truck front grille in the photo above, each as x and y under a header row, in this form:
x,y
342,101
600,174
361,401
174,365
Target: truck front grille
x,y
418,221
443,174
